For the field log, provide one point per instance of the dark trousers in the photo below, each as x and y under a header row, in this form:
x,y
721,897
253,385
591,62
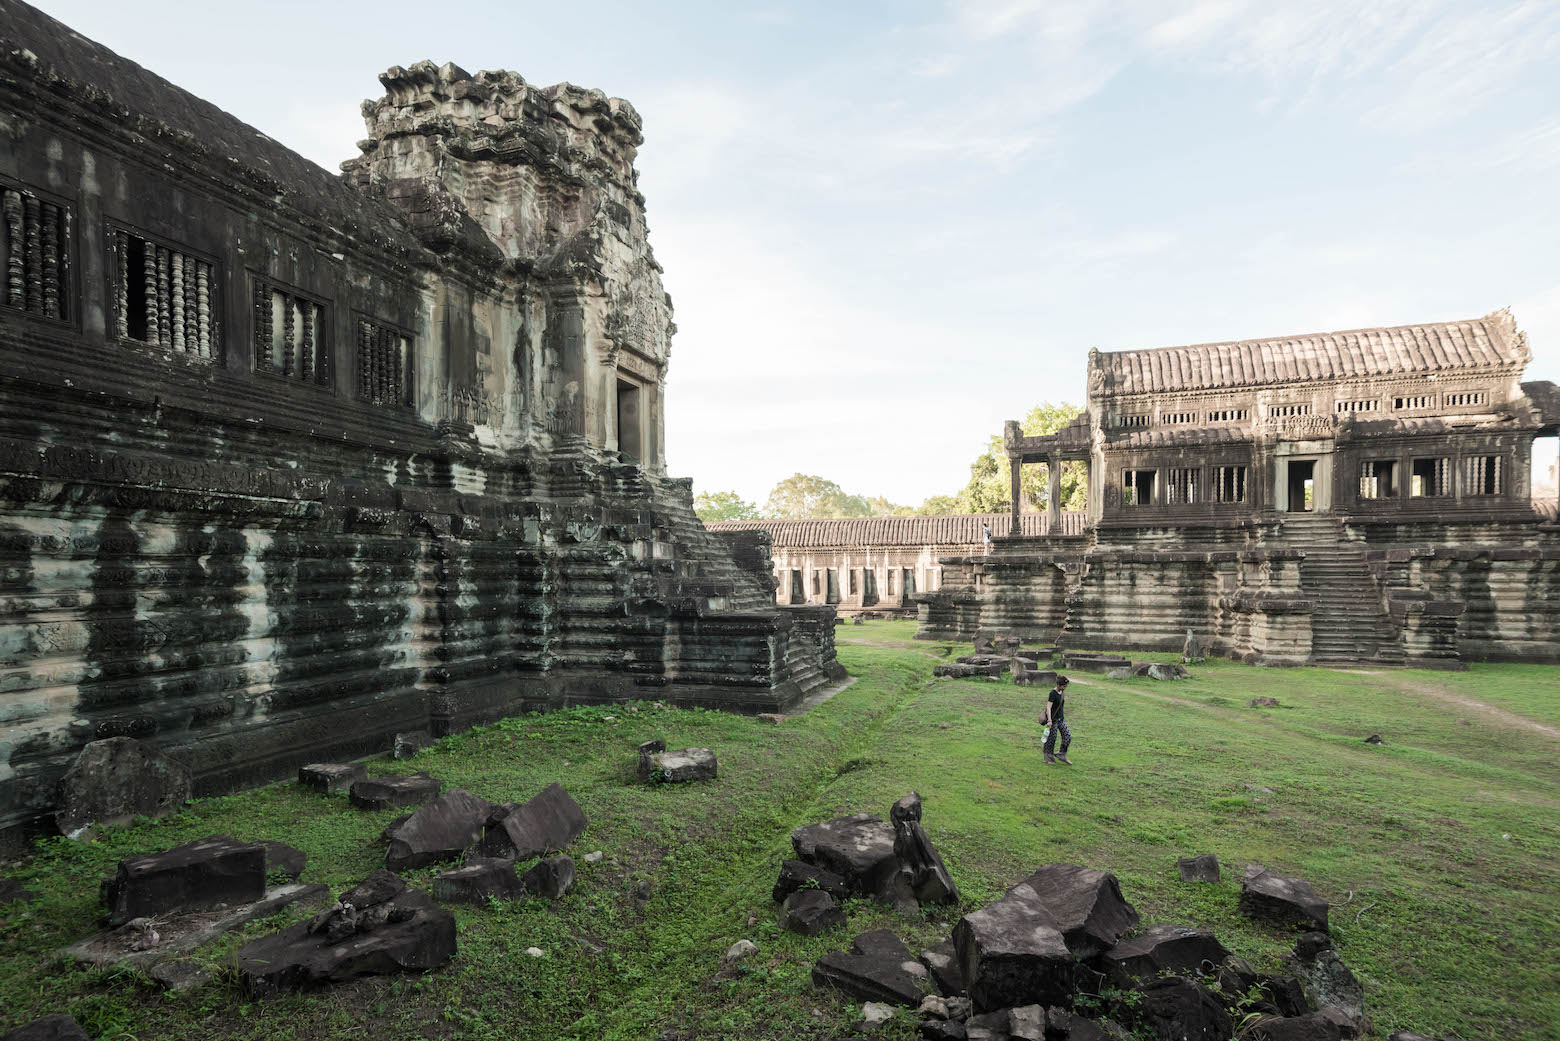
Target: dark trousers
x,y
1059,727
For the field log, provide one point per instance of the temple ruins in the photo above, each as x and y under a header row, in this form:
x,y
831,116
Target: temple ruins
x,y
291,462
1357,496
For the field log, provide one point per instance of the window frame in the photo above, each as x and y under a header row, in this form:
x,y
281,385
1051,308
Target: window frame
x,y
70,281
216,297
324,332
409,392
1441,493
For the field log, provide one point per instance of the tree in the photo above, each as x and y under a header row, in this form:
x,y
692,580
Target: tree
x,y
723,506
938,506
804,496
989,489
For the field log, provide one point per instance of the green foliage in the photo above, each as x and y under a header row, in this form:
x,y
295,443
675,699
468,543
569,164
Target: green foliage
x,y
989,489
805,496
1439,851
723,506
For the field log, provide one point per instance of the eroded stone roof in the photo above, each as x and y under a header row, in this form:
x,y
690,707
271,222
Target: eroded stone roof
x,y
951,530
1484,343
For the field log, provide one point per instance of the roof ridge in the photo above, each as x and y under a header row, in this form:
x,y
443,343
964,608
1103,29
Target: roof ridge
x,y
1291,337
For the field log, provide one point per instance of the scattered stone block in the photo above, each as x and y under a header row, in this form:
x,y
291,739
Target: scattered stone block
x,y
874,1013
810,912
968,672
439,830
1263,703
1330,986
1012,952
737,951
878,967
284,861
1101,663
594,857
1027,674
180,976
797,874
550,877
49,1028
545,824
682,766
1285,994
1235,977
942,965
921,875
117,779
1181,1010
1374,739
1165,949
1086,904
646,751
1202,868
772,717
858,848
940,1030
197,876
1310,1027
411,742
364,933
1192,650
1156,670
1123,672
1024,1023
331,777
1287,901
384,793
479,880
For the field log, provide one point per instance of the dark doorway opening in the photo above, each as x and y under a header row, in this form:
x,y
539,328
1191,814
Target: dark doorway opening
x,y
798,593
869,588
833,579
1302,486
906,582
630,426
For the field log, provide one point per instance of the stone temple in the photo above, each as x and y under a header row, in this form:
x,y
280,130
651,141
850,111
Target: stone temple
x,y
1357,496
291,461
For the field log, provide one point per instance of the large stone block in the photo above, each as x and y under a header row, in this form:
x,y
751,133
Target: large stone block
x,y
1288,901
438,830
197,876
1165,949
384,793
878,967
49,1028
1012,952
858,848
1087,905
545,824
117,779
1181,1010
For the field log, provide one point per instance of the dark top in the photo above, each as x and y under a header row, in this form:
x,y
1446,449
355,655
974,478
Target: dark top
x,y
1058,703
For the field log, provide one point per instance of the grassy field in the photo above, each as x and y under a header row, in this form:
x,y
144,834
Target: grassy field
x,y
1438,849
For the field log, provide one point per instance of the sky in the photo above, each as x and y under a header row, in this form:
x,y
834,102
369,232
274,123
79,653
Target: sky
x,y
889,227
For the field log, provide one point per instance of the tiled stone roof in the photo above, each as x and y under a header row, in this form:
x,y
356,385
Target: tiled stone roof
x,y
1478,343
954,530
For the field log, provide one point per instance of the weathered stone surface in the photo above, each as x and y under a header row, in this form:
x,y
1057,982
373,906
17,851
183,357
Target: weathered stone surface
x,y
810,912
858,848
1027,674
197,876
1202,868
439,830
1288,901
1192,650
479,880
1156,670
646,751
284,861
50,1028
379,887
1084,662
117,779
921,870
738,951
682,766
1309,1027
410,742
942,963
405,933
1086,904
1025,1023
1329,984
956,671
548,822
550,877
1263,703
878,967
180,976
798,874
1165,949
1235,978
383,793
1285,994
331,777
1012,952
1181,1010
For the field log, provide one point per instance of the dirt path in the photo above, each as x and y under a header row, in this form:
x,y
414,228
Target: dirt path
x,y
1421,688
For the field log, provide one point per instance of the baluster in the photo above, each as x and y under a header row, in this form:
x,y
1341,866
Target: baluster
x,y
288,306
15,293
191,334
306,344
149,280
121,285
262,325
362,359
34,262
51,261
176,300
203,307
399,373
164,304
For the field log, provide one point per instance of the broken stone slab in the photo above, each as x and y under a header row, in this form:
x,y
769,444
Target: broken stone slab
x,y
969,672
810,912
181,976
1235,978
1330,986
1086,904
1024,1023
798,874
1192,650
385,793
1310,1027
411,742
1284,994
546,823
921,872
646,750
1287,901
942,963
479,880
284,861
216,871
440,829
1202,868
1027,674
49,1028
182,933
1181,1010
858,848
1123,672
985,659
682,765
1012,952
1157,670
1165,950
550,877
1263,703
331,777
1100,663
878,967
116,780
406,933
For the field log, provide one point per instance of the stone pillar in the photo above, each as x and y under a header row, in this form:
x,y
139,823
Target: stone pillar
x,y
1053,499
1017,466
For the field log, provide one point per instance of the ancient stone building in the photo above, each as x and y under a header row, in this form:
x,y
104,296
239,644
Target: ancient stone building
x,y
877,564
292,461
1349,496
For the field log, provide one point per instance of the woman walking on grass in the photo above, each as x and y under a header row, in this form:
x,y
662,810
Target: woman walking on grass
x,y
1055,721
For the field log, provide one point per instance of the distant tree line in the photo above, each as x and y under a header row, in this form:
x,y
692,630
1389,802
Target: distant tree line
x,y
806,496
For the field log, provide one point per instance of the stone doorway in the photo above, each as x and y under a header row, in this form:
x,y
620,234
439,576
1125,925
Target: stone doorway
x,y
630,422
1302,485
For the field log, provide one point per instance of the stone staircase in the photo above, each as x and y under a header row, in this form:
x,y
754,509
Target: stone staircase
x,y
1346,616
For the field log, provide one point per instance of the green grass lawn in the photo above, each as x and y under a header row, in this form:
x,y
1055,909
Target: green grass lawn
x,y
1437,849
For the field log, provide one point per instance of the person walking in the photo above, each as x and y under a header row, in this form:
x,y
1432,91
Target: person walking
x,y
1055,719
985,534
